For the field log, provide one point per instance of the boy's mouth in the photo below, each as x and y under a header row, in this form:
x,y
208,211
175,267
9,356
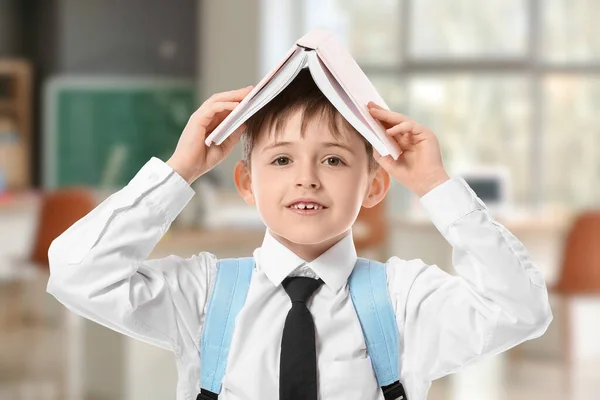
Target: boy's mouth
x,y
307,211
306,207
302,206
306,204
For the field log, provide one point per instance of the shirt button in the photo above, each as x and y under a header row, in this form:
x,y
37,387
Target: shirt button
x,y
153,177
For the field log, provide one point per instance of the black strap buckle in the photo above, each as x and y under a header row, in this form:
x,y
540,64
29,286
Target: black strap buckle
x,y
394,391
207,395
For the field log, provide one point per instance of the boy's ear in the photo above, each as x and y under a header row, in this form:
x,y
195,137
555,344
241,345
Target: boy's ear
x,y
243,182
378,187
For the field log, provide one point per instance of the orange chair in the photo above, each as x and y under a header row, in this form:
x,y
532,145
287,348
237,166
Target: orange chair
x,y
580,273
580,269
59,209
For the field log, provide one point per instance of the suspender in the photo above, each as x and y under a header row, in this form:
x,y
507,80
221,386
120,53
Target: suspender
x,y
369,293
371,299
226,301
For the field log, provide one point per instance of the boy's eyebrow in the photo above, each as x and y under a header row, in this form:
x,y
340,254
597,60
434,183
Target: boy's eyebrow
x,y
325,144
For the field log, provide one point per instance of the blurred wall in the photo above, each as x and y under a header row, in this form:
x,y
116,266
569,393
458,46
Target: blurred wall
x,y
240,41
154,37
229,55
9,28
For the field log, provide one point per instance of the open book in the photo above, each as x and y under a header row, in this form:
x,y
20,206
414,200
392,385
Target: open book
x,y
337,75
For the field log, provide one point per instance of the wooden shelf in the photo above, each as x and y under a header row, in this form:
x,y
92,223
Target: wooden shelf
x,y
16,116
6,104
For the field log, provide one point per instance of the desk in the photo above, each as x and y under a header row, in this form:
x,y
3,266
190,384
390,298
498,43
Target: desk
x,y
223,242
18,216
542,233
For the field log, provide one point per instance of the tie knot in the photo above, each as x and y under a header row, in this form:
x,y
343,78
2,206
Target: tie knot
x,y
300,288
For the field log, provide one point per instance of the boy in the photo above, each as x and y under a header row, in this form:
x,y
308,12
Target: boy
x,y
308,173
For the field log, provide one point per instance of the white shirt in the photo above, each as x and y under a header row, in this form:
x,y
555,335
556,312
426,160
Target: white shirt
x,y
99,270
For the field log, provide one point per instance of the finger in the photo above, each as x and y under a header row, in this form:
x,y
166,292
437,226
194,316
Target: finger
x,y
232,95
232,140
388,116
206,112
405,127
385,162
217,153
408,141
372,104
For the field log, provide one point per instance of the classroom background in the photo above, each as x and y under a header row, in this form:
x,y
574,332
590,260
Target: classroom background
x,y
91,89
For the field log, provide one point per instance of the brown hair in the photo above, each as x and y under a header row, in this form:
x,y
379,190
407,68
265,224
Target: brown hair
x,y
301,94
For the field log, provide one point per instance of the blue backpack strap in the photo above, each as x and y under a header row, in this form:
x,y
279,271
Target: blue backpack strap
x,y
227,299
371,299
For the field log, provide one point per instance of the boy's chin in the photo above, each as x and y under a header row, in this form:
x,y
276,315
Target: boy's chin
x,y
307,235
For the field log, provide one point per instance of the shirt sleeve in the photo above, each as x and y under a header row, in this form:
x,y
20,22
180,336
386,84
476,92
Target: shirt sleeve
x,y
99,268
497,300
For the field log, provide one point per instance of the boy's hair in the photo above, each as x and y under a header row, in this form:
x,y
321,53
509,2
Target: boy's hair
x,y
301,94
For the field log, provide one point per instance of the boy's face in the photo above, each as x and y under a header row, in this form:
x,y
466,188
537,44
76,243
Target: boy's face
x,y
333,173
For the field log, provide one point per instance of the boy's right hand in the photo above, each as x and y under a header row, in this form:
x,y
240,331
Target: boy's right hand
x,y
192,157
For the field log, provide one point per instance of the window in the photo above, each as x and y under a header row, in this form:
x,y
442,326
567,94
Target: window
x,y
509,82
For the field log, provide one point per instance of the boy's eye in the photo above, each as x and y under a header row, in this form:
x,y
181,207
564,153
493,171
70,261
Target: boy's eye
x,y
334,161
276,161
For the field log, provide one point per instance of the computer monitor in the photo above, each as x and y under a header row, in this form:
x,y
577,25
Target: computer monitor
x,y
491,184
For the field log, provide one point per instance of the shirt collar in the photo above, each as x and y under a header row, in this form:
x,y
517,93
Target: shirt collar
x,y
333,266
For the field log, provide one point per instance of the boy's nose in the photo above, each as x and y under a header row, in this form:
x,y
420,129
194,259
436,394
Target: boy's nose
x,y
308,184
308,178
308,181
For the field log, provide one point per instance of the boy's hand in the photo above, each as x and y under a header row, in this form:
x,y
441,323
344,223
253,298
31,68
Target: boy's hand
x,y
192,157
419,167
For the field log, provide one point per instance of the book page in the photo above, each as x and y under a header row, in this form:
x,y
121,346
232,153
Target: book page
x,y
270,87
340,100
357,86
280,81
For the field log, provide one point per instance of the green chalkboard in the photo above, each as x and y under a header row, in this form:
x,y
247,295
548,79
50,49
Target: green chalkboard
x,y
100,132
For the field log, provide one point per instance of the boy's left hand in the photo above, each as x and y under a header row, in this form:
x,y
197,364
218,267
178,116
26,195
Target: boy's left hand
x,y
419,167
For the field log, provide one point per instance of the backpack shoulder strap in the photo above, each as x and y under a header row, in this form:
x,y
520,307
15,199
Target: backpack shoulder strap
x,y
370,296
226,301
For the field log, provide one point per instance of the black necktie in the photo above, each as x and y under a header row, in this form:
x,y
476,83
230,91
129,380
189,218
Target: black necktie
x,y
298,363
